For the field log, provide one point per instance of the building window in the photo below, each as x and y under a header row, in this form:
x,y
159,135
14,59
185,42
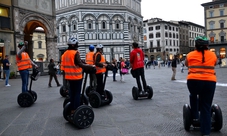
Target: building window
x,y
144,30
158,35
211,26
150,28
222,25
151,36
211,13
157,27
40,44
39,37
170,28
63,28
222,38
89,25
158,43
221,5
103,25
117,26
173,35
151,44
166,27
170,35
166,34
222,12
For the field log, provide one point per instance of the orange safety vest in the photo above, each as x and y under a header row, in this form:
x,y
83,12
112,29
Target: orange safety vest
x,y
100,69
24,62
201,71
72,71
89,58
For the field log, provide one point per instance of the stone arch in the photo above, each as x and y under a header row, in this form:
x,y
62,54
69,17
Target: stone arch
x,y
119,16
88,15
26,27
103,15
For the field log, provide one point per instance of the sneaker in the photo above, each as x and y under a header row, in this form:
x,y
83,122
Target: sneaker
x,y
8,85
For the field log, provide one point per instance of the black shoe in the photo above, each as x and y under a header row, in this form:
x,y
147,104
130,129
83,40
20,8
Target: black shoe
x,y
49,85
58,85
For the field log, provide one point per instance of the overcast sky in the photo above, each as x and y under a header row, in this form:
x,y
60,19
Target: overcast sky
x,y
177,10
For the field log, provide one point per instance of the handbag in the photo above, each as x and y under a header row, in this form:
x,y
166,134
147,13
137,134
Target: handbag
x,y
124,70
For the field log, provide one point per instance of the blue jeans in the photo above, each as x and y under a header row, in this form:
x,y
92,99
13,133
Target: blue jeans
x,y
7,76
114,74
25,78
201,97
74,93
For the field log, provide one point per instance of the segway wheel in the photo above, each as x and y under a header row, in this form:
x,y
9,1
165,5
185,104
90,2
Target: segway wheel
x,y
34,94
63,92
84,101
217,116
66,111
83,116
95,99
109,96
135,93
67,100
187,117
87,90
150,92
25,99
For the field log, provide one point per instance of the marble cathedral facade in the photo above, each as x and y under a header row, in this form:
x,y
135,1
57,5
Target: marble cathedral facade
x,y
113,23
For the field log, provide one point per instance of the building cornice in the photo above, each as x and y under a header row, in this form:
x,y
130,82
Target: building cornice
x,y
90,7
212,3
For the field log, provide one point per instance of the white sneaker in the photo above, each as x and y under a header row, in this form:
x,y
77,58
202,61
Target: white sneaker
x,y
8,85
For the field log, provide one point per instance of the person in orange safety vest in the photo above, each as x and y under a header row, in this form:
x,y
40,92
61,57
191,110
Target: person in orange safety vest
x,y
201,82
24,63
89,60
100,64
73,68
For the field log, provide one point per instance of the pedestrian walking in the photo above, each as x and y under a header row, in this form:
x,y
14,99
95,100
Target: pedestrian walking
x,y
182,66
201,82
174,67
1,69
52,73
114,63
6,70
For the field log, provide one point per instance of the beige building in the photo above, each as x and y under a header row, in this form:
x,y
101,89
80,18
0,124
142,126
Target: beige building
x,y
216,26
39,45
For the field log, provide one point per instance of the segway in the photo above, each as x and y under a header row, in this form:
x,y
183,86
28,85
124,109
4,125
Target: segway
x,y
216,118
95,99
83,117
64,89
147,93
26,99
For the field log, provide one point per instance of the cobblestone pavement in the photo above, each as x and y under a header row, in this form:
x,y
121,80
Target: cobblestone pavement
x,y
160,116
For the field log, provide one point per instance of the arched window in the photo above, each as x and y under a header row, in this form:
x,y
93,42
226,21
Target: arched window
x,y
103,25
89,25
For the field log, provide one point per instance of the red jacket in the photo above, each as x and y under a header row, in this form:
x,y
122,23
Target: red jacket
x,y
137,58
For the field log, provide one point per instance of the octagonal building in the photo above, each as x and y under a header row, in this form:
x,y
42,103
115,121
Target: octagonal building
x,y
113,23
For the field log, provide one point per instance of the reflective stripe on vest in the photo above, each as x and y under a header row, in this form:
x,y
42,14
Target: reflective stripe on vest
x,y
24,62
89,58
203,67
100,69
72,72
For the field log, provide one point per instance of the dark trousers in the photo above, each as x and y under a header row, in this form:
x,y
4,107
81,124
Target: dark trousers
x,y
114,74
25,79
140,73
100,83
74,93
201,97
93,81
55,78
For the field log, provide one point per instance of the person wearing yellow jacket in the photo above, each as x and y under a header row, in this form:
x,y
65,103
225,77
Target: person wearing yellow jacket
x,y
201,82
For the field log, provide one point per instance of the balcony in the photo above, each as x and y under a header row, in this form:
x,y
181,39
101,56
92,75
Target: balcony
x,y
5,23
